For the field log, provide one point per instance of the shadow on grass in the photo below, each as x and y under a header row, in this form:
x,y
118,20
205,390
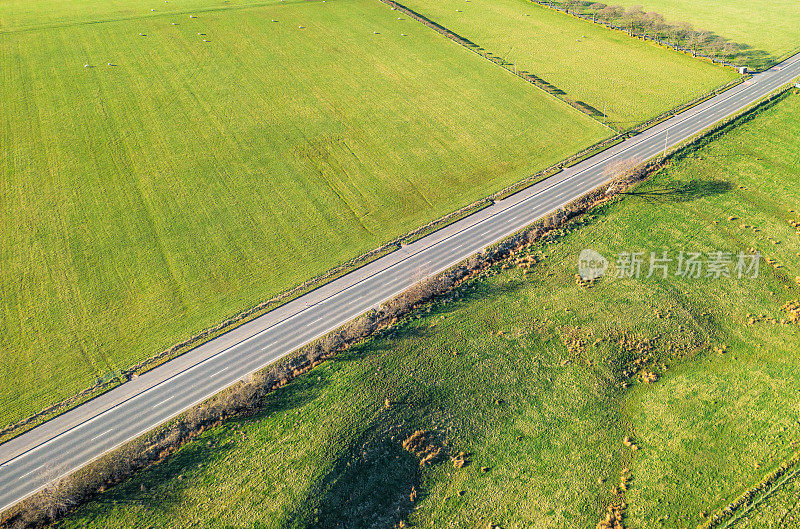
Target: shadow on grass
x,y
592,111
160,486
755,59
371,481
684,192
369,485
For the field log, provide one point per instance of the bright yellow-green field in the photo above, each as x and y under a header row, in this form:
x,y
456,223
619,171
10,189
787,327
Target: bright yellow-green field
x,y
629,79
16,15
769,25
224,159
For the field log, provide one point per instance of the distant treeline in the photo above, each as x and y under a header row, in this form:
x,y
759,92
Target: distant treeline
x,y
653,26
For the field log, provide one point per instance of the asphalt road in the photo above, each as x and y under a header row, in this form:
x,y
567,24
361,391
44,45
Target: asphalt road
x,y
56,448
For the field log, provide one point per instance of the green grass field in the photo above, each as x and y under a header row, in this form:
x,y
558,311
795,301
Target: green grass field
x,y
630,79
537,378
24,15
768,25
145,201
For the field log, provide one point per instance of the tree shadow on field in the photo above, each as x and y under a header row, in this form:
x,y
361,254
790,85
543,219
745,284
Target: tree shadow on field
x,y
592,111
684,191
756,59
299,392
160,487
370,485
372,479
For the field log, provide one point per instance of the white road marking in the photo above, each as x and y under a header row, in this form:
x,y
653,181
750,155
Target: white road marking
x,y
102,434
163,401
221,370
31,472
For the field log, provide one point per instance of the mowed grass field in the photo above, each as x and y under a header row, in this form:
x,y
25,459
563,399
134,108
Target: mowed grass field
x,y
538,379
198,169
629,79
22,15
768,25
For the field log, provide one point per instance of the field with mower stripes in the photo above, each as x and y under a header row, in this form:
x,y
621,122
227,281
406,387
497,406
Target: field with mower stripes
x,y
23,15
160,173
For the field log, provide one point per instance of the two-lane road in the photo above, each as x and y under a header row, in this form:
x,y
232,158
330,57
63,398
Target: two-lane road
x,y
30,461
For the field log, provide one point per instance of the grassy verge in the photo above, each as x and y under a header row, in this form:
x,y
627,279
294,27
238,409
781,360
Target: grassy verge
x,y
538,378
202,174
780,509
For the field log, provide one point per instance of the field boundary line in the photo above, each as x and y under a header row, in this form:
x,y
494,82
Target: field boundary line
x,y
552,89
475,48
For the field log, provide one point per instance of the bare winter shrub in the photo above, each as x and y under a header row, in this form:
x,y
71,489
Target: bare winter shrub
x,y
627,170
624,173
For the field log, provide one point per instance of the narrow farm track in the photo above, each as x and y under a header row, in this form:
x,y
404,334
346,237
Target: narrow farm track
x,y
58,447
